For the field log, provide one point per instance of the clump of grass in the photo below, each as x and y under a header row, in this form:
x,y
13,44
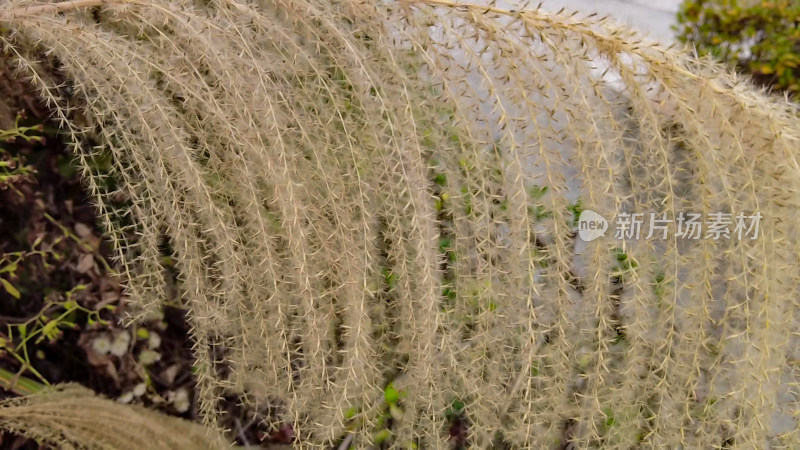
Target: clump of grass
x,y
352,193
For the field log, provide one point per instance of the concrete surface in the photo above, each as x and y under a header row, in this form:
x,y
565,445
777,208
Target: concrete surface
x,y
652,17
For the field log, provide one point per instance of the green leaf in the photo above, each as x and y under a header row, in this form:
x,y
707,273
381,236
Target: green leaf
x,y
610,421
537,192
395,412
390,278
19,384
382,436
351,412
391,395
50,330
456,409
9,268
12,291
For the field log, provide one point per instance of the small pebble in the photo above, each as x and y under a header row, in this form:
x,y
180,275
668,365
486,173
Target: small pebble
x,y
154,341
126,397
181,400
139,390
101,345
148,357
121,342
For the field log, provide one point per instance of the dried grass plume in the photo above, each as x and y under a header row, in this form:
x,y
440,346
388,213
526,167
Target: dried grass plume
x,y
361,193
70,416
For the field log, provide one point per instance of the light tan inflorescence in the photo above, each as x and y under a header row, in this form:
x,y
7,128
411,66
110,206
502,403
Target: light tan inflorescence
x,y
372,207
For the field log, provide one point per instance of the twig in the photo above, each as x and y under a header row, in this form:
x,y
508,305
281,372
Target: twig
x,y
346,442
240,433
16,320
